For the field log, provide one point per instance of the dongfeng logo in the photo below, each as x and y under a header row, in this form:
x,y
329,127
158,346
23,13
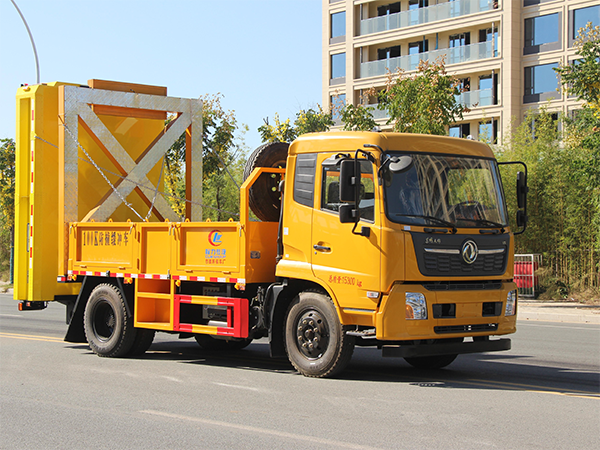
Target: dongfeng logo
x,y
469,252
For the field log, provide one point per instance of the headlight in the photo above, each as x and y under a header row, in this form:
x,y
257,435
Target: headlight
x,y
511,304
416,306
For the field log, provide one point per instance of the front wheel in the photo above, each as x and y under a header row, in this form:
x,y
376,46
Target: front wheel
x,y
431,362
315,340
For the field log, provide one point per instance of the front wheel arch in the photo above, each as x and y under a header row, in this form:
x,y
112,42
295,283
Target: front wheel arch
x,y
280,300
315,339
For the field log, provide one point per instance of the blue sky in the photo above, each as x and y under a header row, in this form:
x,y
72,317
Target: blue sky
x,y
264,56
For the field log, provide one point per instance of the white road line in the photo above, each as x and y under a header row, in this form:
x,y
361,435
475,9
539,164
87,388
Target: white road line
x,y
589,328
235,386
11,315
264,431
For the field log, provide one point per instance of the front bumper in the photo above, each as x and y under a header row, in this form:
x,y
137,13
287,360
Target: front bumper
x,y
414,351
468,317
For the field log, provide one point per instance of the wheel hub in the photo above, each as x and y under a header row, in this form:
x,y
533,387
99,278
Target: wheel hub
x,y
312,336
104,321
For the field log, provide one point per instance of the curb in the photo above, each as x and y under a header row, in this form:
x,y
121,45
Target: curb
x,y
558,312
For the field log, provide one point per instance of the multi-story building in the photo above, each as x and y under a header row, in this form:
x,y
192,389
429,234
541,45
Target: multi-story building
x,y
503,52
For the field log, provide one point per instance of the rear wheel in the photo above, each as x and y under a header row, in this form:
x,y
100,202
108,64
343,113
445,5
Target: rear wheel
x,y
143,341
108,329
264,196
315,340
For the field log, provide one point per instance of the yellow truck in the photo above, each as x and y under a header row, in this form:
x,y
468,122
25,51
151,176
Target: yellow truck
x,y
395,241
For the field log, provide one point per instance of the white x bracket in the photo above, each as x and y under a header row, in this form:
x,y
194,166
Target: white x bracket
x,y
77,103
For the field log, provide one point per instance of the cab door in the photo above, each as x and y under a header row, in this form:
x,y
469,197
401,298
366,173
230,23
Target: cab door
x,y
349,264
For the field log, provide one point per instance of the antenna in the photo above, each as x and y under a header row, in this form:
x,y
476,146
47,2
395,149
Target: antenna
x,y
37,64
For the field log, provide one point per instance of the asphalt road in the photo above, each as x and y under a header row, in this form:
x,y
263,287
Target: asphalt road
x,y
544,393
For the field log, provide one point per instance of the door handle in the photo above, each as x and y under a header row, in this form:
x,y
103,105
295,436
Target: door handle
x,y
321,248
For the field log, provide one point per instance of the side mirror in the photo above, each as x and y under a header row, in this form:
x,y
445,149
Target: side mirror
x,y
347,214
522,190
401,163
522,219
347,181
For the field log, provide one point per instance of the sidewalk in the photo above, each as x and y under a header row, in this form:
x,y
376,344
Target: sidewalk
x,y
558,312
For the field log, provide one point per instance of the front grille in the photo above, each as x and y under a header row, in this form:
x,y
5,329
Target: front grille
x,y
441,256
440,263
465,328
463,286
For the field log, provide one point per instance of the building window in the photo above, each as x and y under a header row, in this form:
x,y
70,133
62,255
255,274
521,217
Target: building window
x,y
486,131
416,4
460,131
584,15
338,66
541,83
386,10
459,40
533,125
542,33
534,2
337,102
338,24
389,52
414,48
490,35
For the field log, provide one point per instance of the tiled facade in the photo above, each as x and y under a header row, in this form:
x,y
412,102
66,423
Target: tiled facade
x,y
503,52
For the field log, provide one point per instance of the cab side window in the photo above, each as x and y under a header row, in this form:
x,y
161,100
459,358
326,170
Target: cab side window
x,y
330,200
330,192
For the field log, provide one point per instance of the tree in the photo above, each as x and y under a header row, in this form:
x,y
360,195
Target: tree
x,y
562,205
279,132
7,202
582,78
424,102
313,121
307,121
7,183
357,118
218,152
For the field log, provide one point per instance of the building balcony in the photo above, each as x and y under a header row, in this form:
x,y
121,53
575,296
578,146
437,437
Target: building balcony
x,y
442,11
455,55
476,99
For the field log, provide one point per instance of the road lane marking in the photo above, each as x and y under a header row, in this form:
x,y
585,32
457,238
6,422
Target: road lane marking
x,y
591,326
11,315
264,431
30,337
235,386
534,388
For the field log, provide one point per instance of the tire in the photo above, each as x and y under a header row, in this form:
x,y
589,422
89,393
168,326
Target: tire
x,y
207,342
315,341
264,196
142,342
108,329
431,362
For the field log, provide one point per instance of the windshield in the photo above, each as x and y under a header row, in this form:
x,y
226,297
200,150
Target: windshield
x,y
443,190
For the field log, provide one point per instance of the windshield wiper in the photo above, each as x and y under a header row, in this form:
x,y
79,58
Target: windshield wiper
x,y
485,222
432,218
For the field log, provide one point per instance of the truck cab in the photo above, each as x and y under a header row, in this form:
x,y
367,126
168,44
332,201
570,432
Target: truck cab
x,y
420,258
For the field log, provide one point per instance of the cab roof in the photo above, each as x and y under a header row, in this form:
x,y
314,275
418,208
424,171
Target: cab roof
x,y
349,141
